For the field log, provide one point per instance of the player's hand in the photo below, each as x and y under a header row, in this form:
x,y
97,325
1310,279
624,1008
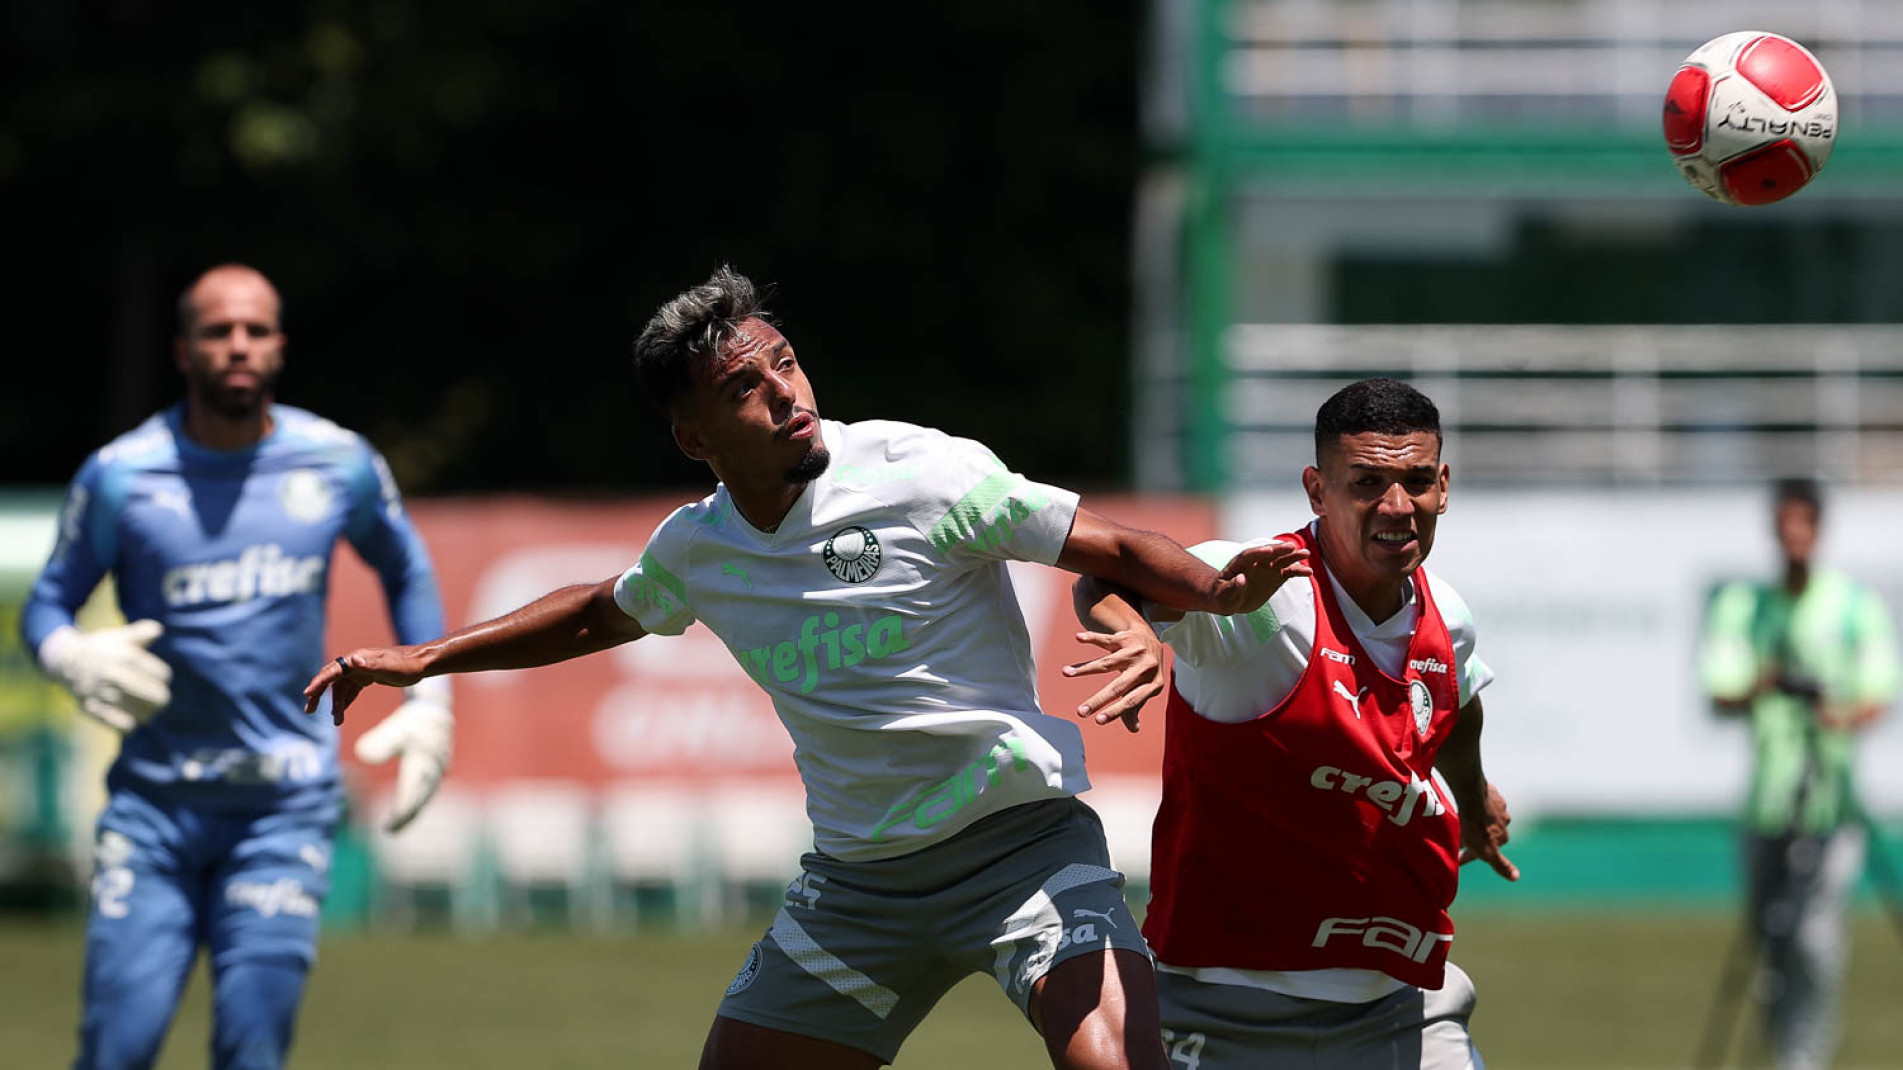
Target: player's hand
x,y
1136,656
345,677
1253,575
117,681
1482,834
422,730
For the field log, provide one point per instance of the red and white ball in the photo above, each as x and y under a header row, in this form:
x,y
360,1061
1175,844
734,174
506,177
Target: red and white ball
x,y
1750,117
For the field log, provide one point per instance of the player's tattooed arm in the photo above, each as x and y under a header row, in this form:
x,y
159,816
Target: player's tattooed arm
x,y
1112,621
1164,574
562,624
1483,811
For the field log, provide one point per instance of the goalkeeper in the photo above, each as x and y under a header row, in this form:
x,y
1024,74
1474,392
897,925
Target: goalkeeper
x,y
217,519
1811,659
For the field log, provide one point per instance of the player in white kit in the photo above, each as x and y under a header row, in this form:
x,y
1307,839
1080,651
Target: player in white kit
x,y
857,572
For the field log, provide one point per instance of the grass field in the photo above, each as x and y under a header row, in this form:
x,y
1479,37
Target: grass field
x,y
1575,993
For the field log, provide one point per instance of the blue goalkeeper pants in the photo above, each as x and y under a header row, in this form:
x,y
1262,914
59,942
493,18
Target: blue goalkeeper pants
x,y
245,885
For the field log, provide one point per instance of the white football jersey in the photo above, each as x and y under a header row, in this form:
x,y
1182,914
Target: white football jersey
x,y
881,620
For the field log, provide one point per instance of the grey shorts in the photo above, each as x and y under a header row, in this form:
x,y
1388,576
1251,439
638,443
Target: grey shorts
x,y
862,950
1234,1027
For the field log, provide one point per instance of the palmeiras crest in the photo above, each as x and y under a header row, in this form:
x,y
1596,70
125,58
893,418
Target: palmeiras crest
x,y
304,495
852,554
1421,701
748,972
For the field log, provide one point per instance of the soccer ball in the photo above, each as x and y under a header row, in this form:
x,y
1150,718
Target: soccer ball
x,y
1750,117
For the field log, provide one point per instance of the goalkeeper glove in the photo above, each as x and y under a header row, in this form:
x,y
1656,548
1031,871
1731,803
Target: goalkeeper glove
x,y
422,731
117,681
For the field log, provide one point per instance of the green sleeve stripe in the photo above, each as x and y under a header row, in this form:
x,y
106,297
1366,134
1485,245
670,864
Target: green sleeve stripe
x,y
1263,623
653,570
966,516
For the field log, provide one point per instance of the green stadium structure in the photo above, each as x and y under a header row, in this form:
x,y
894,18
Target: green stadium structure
x,y
1481,162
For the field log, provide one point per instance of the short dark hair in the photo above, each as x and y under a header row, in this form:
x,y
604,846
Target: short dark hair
x,y
1384,406
690,326
1799,489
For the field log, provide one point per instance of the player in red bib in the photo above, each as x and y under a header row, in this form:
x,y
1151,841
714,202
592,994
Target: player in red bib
x,y
1321,774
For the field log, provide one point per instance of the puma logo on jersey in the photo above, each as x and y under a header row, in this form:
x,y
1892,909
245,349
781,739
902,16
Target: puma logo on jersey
x,y
259,572
1399,801
1354,700
1104,916
728,568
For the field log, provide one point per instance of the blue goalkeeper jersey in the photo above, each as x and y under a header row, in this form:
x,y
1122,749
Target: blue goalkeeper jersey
x,y
231,551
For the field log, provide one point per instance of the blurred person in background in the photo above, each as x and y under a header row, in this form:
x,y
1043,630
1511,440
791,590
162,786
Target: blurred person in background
x,y
1322,780
1810,657
217,519
857,573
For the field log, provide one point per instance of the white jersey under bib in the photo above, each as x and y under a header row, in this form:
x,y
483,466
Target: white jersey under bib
x,y
1234,669
881,620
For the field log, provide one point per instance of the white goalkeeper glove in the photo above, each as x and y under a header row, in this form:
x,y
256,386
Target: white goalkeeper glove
x,y
422,730
117,681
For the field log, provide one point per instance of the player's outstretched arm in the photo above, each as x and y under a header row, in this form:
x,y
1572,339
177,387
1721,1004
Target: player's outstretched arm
x,y
1483,811
560,625
1158,570
1132,651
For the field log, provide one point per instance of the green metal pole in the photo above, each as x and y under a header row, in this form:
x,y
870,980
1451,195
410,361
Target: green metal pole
x,y
1208,257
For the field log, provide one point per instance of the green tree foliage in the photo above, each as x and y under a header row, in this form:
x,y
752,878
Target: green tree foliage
x,y
471,207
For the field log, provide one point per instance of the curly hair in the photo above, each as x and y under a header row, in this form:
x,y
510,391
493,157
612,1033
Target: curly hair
x,y
689,327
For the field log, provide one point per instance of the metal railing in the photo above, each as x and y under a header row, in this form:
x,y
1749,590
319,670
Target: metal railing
x,y
1450,63
1623,406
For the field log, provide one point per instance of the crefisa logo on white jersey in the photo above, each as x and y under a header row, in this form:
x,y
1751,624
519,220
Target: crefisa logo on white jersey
x,y
852,554
1422,703
304,495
